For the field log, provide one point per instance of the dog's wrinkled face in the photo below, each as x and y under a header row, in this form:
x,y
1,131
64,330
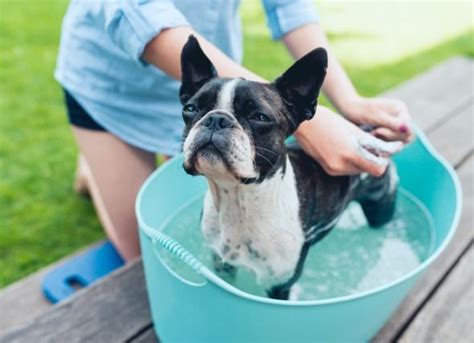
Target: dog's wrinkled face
x,y
235,129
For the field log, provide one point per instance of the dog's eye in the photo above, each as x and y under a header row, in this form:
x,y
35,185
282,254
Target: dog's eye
x,y
189,111
259,116
189,108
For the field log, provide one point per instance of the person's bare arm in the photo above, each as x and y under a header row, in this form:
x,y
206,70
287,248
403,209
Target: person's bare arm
x,y
329,139
389,115
341,147
164,51
337,85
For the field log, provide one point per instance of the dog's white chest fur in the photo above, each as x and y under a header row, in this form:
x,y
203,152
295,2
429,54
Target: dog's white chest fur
x,y
256,226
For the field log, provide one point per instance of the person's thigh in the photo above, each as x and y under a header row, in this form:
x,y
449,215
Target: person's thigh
x,y
114,171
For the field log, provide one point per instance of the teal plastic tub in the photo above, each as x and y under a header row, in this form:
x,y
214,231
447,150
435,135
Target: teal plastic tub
x,y
204,308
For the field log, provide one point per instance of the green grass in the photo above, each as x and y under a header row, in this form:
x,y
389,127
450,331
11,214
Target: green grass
x,y
41,218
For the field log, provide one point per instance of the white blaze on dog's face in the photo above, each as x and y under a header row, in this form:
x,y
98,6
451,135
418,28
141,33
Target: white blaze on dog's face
x,y
235,129
217,145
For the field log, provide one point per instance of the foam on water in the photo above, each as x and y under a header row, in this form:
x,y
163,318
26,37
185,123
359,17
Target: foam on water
x,y
352,258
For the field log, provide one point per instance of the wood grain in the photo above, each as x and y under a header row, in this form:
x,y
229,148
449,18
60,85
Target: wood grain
x,y
431,280
23,300
439,92
109,311
452,136
454,139
147,336
448,316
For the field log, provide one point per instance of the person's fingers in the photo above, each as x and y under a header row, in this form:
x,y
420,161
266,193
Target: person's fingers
x,y
411,136
367,162
343,168
394,107
364,160
401,111
386,134
404,114
398,110
379,147
389,135
392,122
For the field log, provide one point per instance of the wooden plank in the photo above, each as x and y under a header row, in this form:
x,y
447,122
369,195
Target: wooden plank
x,y
448,316
435,94
454,139
24,299
148,336
435,274
111,310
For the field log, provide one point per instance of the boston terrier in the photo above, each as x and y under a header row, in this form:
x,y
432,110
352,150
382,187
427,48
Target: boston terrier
x,y
267,202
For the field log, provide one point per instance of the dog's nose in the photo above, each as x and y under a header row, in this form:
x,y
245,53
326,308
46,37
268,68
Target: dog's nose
x,y
217,121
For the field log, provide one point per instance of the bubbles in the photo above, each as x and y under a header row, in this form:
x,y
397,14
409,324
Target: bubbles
x,y
390,265
352,258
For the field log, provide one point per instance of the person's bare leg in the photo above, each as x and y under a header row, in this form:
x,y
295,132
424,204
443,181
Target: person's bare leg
x,y
80,179
112,171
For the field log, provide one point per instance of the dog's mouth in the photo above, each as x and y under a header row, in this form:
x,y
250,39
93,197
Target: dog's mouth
x,y
219,156
208,153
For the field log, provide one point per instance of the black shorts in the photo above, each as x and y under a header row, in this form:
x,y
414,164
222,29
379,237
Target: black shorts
x,y
78,116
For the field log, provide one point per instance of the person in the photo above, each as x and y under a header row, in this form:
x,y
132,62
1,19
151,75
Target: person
x,y
119,66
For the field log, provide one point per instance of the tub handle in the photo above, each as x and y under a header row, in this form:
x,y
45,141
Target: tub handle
x,y
158,238
172,246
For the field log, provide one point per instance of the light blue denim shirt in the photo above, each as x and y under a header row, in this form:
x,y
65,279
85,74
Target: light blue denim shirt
x,y
99,59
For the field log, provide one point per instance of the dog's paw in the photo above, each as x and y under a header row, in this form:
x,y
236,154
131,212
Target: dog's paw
x,y
224,270
278,292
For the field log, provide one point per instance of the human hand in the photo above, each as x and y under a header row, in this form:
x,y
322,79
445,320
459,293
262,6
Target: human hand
x,y
341,147
390,117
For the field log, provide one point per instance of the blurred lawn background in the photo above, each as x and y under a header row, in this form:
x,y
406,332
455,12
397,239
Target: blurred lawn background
x,y
381,44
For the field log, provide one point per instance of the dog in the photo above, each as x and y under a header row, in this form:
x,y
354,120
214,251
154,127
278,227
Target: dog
x,y
267,202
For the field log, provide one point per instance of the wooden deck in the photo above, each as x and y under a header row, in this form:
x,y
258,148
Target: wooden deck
x,y
439,308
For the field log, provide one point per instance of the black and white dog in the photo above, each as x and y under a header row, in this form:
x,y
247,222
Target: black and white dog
x,y
267,203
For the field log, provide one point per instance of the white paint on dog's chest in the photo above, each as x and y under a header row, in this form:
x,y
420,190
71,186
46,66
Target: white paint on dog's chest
x,y
256,226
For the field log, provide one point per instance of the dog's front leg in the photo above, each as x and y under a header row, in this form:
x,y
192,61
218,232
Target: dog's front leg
x,y
377,197
281,292
225,270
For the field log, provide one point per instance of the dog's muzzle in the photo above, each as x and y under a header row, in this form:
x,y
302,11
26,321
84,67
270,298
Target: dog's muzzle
x,y
218,147
216,121
212,137
214,131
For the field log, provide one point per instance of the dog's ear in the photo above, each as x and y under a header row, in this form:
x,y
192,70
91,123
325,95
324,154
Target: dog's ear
x,y
196,69
299,86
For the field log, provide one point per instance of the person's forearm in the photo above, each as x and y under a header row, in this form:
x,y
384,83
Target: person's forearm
x,y
164,51
337,85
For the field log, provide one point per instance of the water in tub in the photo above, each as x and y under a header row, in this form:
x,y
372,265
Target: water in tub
x,y
352,258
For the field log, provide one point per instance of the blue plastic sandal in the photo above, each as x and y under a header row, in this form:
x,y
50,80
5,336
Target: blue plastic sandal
x,y
81,271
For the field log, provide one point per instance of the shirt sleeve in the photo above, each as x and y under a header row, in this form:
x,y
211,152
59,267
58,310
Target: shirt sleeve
x,y
284,16
131,24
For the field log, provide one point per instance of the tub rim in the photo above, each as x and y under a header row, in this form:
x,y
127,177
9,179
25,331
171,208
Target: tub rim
x,y
213,278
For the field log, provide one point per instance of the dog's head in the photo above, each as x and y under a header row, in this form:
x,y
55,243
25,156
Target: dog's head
x,y
235,129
